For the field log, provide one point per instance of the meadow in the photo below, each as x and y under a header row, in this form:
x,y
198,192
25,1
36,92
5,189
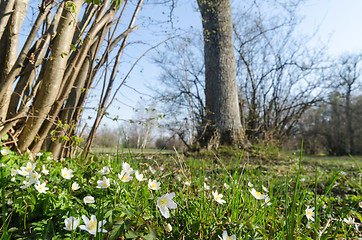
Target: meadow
x,y
231,194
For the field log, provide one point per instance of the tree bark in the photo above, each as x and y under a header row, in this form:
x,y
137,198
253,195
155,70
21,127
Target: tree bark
x,y
222,123
6,11
10,54
53,76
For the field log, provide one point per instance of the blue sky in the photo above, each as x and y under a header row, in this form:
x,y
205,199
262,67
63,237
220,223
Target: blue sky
x,y
336,23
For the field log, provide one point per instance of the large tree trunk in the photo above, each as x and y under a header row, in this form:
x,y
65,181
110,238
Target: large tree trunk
x,y
222,123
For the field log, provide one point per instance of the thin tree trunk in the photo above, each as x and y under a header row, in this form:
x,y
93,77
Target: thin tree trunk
x,y
349,121
7,9
71,74
20,9
103,103
53,76
10,78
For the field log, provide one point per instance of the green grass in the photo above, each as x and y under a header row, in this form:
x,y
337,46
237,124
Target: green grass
x,y
130,210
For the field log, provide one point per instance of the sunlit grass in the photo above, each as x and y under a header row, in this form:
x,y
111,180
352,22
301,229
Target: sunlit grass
x,y
180,197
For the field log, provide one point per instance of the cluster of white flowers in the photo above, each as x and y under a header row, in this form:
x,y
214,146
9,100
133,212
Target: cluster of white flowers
x,y
32,177
164,203
90,225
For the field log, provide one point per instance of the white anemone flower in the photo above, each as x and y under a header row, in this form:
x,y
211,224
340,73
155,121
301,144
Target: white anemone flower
x,y
139,176
309,213
2,165
50,158
92,225
34,177
264,188
23,173
250,184
4,151
218,197
153,171
29,168
105,183
153,184
187,183
71,223
67,173
360,204
226,186
88,199
349,221
44,170
75,186
13,172
124,176
39,154
225,236
267,201
207,187
26,184
127,168
165,202
257,194
41,187
105,170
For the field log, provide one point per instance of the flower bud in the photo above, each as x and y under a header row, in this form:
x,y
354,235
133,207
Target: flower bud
x,y
168,227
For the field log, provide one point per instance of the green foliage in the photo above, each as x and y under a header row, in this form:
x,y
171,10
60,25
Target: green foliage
x,y
130,210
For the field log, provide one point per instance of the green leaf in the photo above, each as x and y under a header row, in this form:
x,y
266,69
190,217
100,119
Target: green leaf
x,y
117,230
5,137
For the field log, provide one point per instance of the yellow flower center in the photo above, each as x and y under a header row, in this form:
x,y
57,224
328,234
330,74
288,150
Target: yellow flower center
x,y
92,225
258,194
154,185
105,184
309,213
124,178
69,225
218,197
163,201
29,168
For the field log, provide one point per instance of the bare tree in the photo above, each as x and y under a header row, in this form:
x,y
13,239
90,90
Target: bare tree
x,y
280,78
181,92
349,73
